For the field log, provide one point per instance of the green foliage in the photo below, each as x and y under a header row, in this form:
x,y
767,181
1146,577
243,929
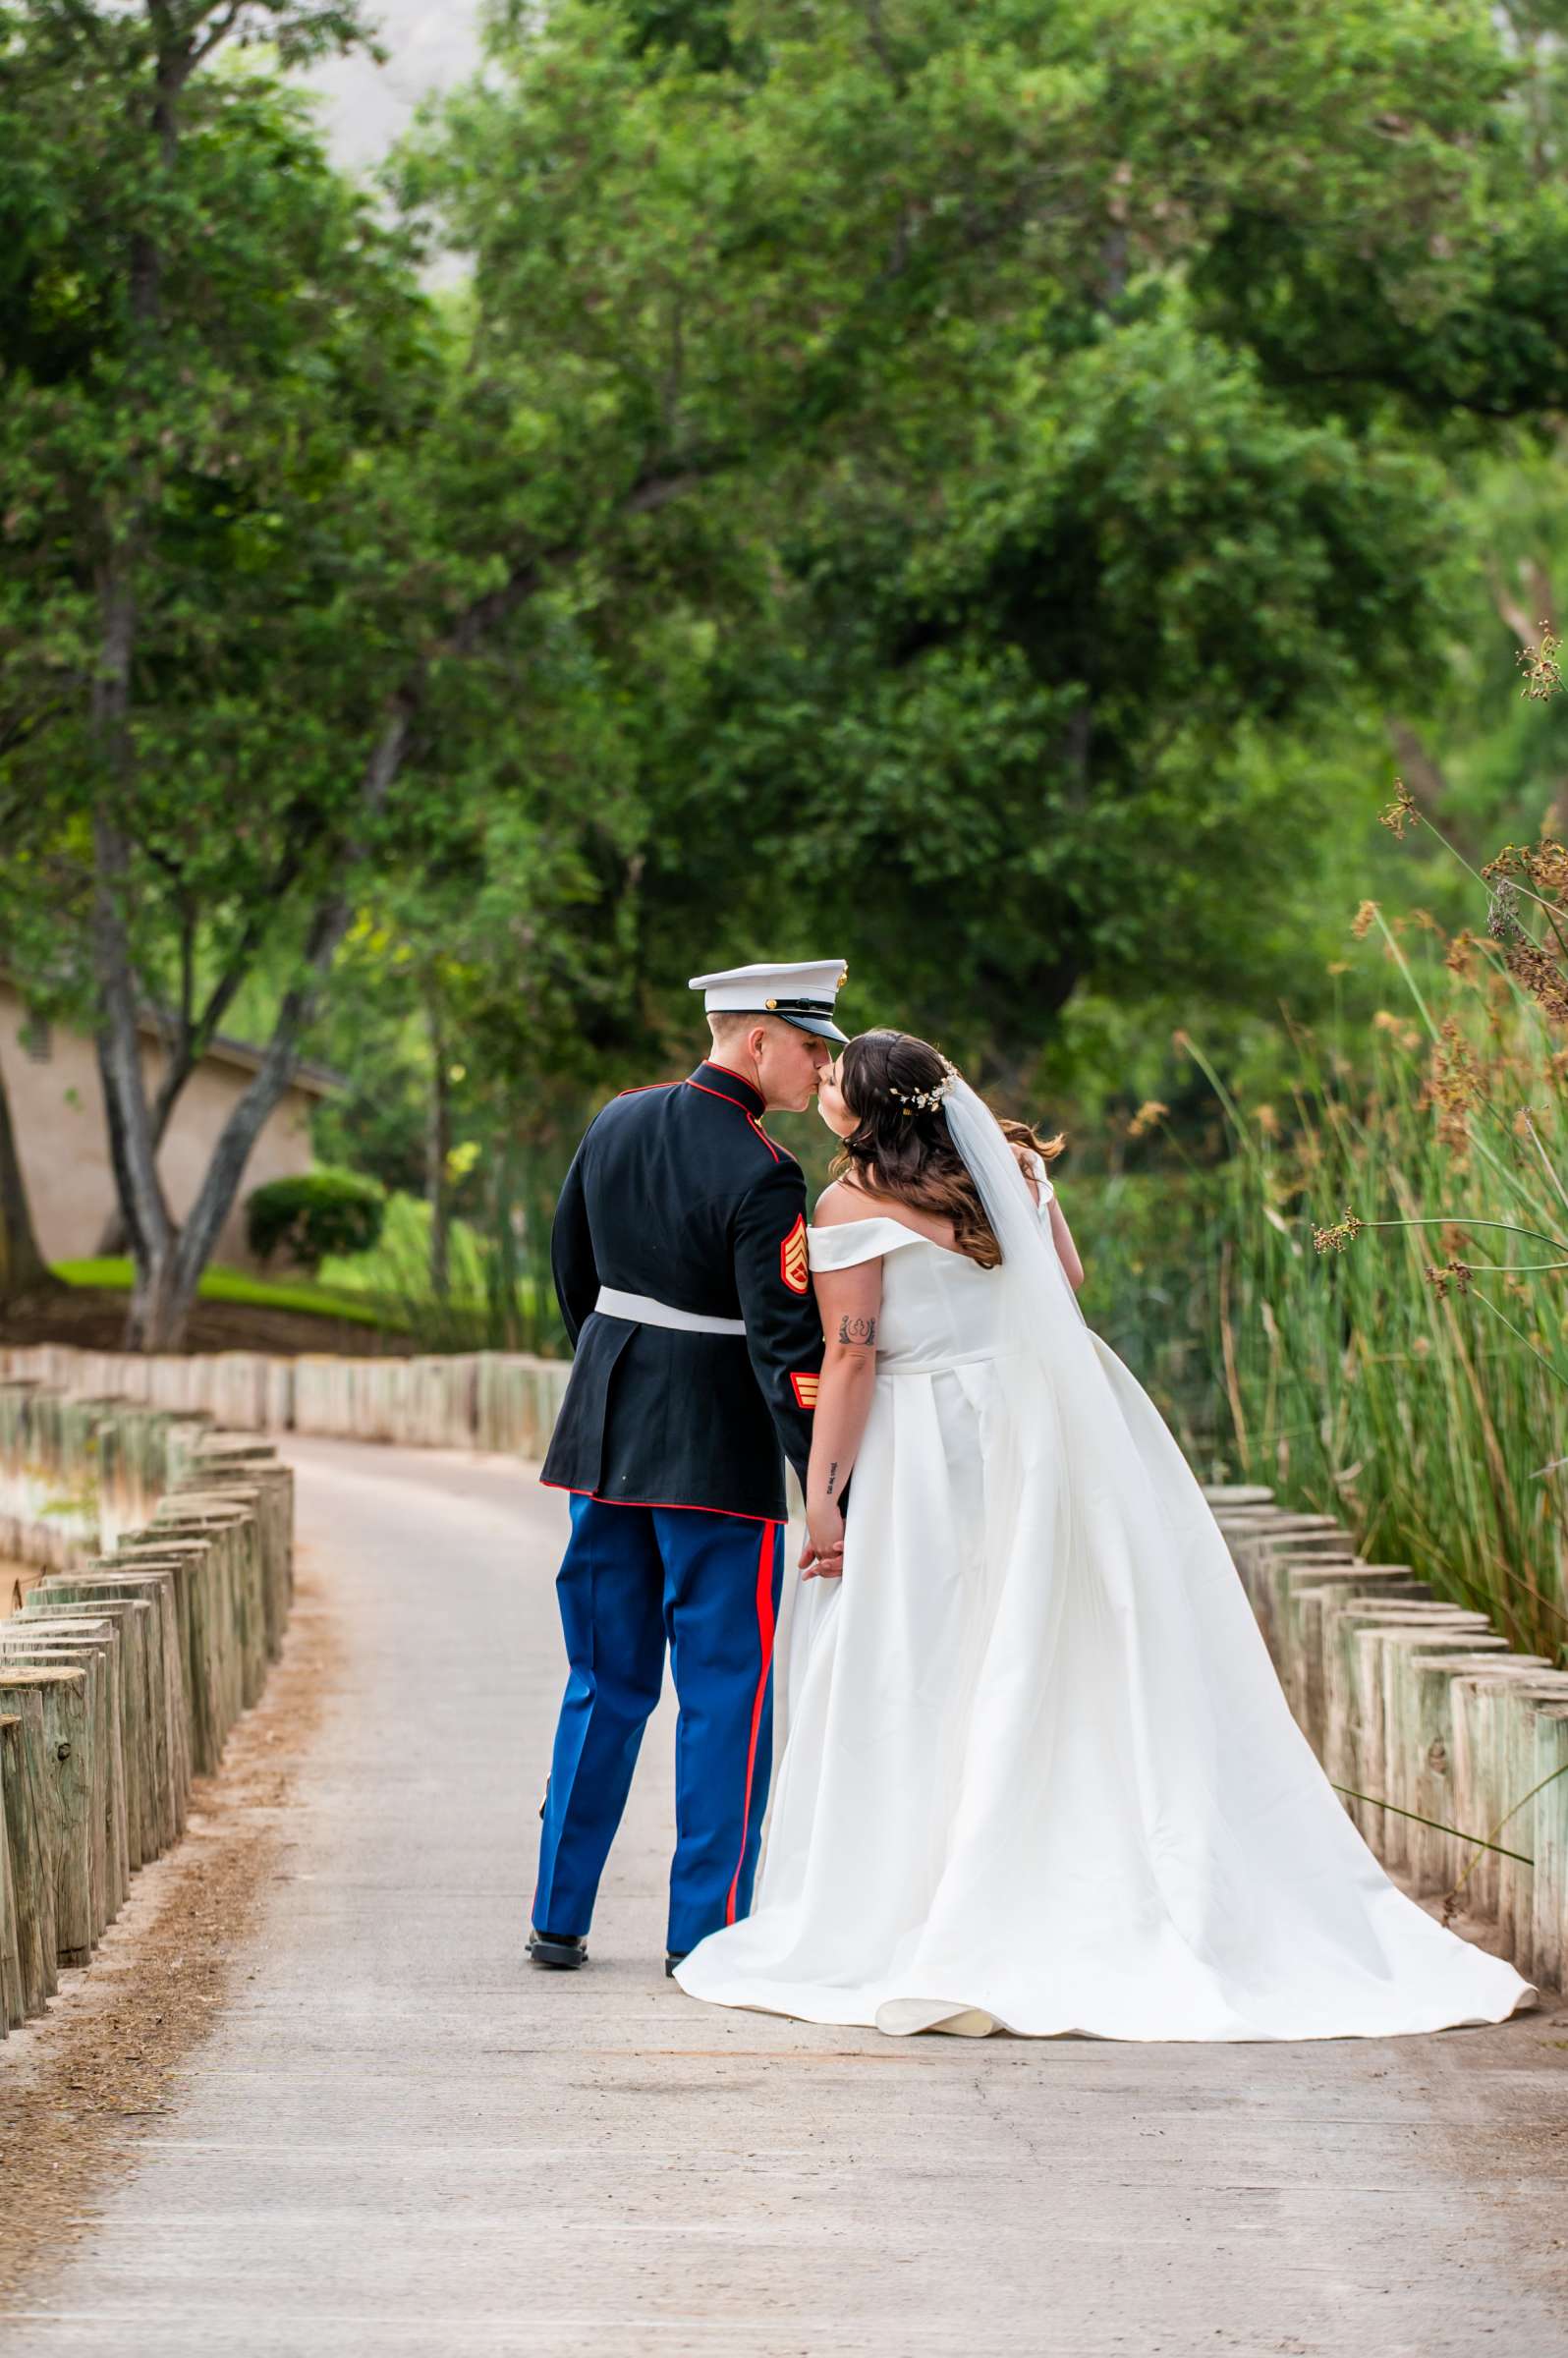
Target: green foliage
x,y
966,486
485,1309
114,1273
396,1263
314,1214
1015,551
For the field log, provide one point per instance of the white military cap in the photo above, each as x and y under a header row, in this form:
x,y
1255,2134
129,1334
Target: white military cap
x,y
802,994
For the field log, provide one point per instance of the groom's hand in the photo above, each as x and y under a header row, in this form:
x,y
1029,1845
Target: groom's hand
x,y
822,1554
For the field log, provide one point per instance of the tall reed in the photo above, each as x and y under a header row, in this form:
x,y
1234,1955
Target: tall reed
x,y
1388,1296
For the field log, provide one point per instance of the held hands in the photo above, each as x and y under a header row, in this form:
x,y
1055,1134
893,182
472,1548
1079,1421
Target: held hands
x,y
822,1555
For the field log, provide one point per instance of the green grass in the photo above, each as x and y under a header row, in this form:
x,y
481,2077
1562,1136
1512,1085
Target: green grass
x,y
387,1288
236,1285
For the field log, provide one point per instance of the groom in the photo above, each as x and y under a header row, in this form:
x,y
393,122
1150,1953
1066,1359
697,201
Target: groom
x,y
680,1260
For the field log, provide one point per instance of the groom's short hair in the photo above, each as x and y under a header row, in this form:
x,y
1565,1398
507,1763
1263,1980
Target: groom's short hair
x,y
728,1022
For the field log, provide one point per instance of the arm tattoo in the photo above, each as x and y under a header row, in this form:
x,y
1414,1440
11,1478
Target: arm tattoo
x,y
832,1476
857,1330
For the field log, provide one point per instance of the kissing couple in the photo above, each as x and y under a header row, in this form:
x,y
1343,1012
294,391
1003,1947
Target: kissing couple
x,y
1038,1774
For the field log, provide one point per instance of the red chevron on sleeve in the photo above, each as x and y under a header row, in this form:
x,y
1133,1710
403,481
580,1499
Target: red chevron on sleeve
x,y
805,1386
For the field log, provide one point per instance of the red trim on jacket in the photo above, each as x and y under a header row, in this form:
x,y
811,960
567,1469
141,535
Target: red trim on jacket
x,y
684,1506
806,1387
713,1065
754,1102
776,1151
764,1633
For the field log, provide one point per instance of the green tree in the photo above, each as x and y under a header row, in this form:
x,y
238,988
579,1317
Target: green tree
x,y
907,464
206,334
1019,446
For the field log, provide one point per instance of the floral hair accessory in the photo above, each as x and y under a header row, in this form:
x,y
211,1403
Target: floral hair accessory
x,y
926,1100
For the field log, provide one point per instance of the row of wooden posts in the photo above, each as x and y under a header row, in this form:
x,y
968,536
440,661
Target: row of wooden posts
x,y
173,1547
1449,1751
122,1674
488,1400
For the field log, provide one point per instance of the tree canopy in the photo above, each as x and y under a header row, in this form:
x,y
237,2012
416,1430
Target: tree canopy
x,y
906,479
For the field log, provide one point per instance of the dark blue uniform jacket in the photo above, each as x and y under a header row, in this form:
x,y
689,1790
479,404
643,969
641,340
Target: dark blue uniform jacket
x,y
679,1192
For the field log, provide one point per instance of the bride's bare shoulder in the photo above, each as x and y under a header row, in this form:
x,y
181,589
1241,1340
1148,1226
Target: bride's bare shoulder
x,y
838,1203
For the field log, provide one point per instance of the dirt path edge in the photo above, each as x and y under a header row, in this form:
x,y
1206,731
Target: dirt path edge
x,y
77,2084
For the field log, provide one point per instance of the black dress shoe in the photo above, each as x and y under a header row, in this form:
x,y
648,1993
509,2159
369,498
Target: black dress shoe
x,y
672,1958
562,1950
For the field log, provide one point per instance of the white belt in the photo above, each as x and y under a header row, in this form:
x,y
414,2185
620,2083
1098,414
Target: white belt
x,y
613,1304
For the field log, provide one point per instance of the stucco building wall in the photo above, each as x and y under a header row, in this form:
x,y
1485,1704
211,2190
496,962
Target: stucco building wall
x,y
51,1078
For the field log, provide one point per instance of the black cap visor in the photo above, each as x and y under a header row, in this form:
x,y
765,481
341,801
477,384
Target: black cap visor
x,y
822,1024
803,1020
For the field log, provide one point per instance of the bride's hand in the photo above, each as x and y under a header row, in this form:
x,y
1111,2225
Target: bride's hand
x,y
822,1555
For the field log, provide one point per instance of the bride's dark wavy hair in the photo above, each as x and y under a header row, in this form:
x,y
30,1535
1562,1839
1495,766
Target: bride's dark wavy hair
x,y
906,1151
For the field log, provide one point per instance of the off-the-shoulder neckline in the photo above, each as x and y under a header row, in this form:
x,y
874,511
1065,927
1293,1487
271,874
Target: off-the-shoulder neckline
x,y
885,1219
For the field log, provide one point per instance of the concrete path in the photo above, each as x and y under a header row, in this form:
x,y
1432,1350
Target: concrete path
x,y
401,2138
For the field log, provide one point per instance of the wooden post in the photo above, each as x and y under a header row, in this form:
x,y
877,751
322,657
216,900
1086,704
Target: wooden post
x,y
184,1560
1311,1589
152,1587
142,1702
270,1486
1480,1772
239,1513
1274,1560
1528,1813
30,1839
1348,1745
1379,1650
96,1647
191,1562
220,1526
1549,1900
1416,1764
68,1795
12,2010
1253,1548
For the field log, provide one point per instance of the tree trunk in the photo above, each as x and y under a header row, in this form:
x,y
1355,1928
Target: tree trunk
x,y
155,1321
188,1040
114,1237
166,1289
124,1106
131,1153
23,1267
437,1146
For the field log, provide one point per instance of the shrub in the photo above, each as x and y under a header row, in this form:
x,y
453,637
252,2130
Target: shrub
x,y
316,1213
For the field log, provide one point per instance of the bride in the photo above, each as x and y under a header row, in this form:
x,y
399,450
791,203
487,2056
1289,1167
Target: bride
x,y
1039,1777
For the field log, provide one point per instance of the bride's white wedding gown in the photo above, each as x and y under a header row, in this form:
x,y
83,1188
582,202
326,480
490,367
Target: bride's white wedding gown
x,y
1039,1774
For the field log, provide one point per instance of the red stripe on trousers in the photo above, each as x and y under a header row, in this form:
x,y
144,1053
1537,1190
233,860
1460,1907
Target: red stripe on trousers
x,y
765,1631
